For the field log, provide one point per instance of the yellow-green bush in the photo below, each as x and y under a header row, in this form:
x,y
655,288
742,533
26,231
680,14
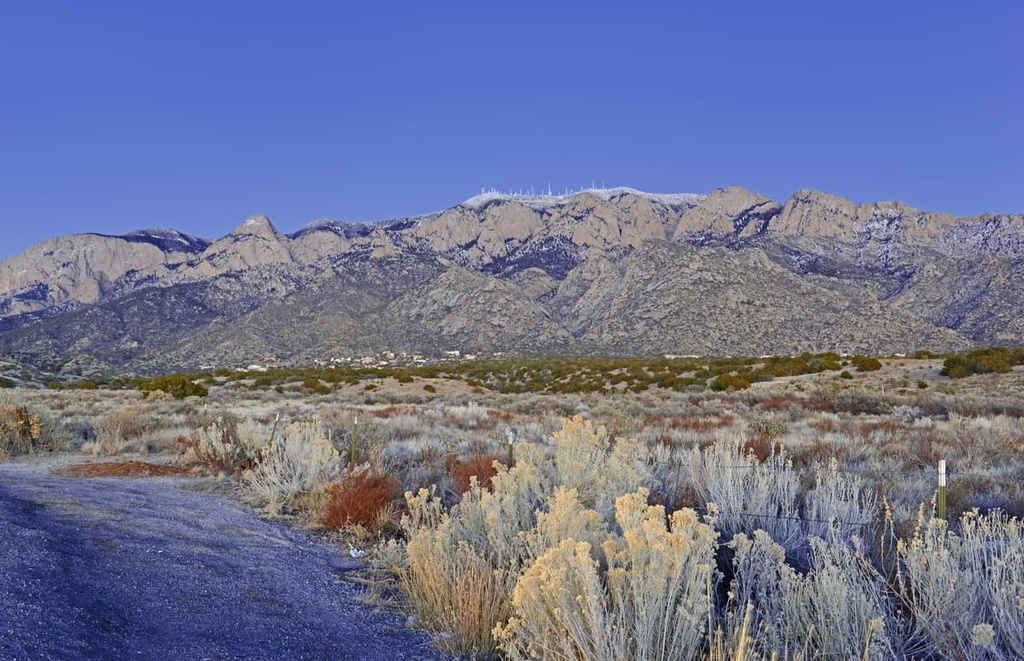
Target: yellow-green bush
x,y
599,468
456,592
549,492
649,597
866,363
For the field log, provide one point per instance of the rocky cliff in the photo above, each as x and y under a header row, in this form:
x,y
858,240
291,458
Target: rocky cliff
x,y
609,271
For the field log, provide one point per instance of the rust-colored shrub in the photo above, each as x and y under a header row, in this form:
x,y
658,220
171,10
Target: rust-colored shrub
x,y
819,452
480,465
825,425
359,499
693,423
818,404
387,412
777,403
502,416
890,426
762,447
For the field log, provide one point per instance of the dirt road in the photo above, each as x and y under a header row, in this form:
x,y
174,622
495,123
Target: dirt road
x,y
154,568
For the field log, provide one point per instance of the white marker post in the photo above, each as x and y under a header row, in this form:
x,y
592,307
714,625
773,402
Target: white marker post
x,y
352,447
942,489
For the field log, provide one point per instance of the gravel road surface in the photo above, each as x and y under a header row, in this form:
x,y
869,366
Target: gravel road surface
x,y
156,568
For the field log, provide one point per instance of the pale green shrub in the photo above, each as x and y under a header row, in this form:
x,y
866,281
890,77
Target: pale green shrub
x,y
653,601
840,505
745,494
759,571
962,585
769,427
406,427
299,460
468,416
492,520
906,413
837,609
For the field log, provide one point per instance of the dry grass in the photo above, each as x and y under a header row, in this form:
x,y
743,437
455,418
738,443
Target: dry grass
x,y
120,428
452,584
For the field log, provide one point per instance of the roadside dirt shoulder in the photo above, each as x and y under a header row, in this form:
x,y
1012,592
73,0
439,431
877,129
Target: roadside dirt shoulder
x,y
156,568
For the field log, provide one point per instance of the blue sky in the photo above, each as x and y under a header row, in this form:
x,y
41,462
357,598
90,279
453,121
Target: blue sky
x,y
117,116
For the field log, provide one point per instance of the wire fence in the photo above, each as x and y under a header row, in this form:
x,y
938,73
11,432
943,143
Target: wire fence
x,y
944,481
871,471
686,461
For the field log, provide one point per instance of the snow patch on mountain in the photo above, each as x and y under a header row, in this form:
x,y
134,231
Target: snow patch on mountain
x,y
539,202
167,240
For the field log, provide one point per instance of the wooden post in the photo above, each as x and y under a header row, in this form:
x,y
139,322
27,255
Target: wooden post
x,y
352,446
510,437
273,430
942,489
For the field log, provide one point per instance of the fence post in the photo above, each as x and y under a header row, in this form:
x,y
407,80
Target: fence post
x,y
511,440
352,448
273,430
942,489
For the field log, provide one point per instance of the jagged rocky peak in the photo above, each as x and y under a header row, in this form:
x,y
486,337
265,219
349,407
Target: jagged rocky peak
x,y
78,268
813,215
728,212
486,227
257,224
475,232
256,242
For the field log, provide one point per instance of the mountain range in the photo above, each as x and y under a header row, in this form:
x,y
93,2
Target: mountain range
x,y
609,271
